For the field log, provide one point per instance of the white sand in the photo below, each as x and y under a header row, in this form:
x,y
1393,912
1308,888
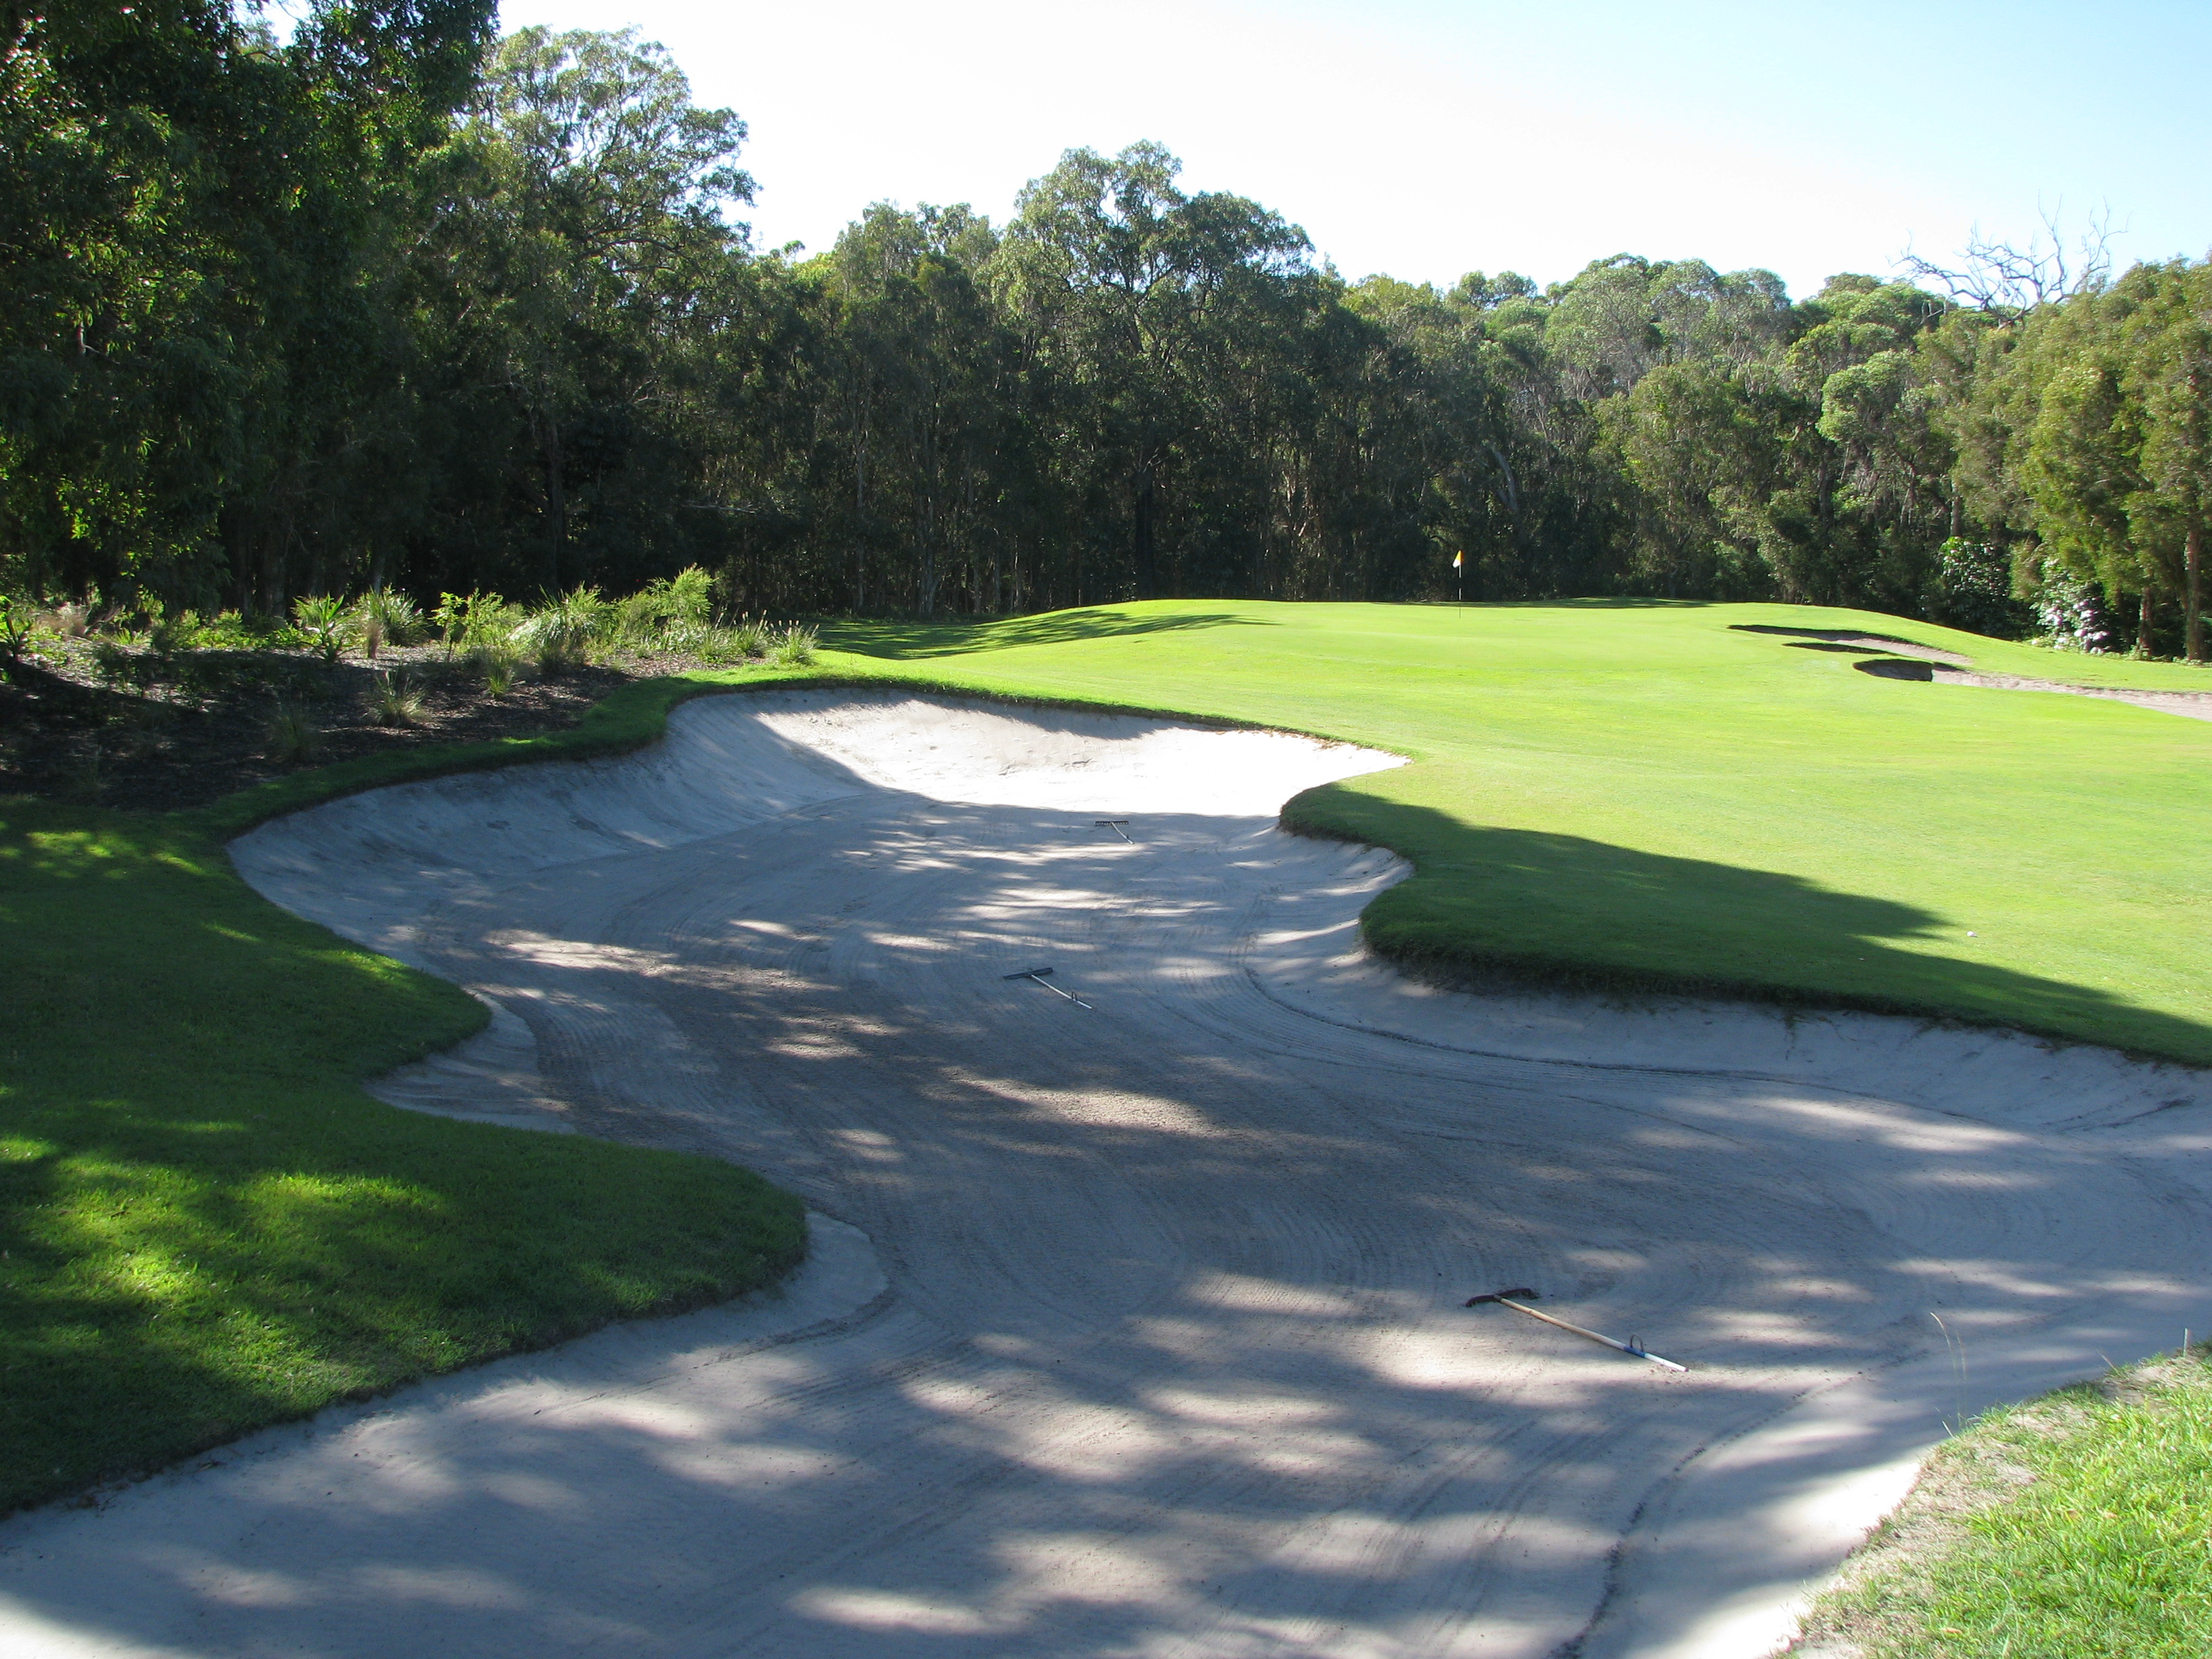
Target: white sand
x,y
1150,1339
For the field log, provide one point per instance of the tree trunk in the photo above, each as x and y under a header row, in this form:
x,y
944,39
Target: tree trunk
x,y
1148,576
2143,625
557,504
2194,568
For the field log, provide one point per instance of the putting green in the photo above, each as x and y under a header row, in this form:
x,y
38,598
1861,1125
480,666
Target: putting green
x,y
1648,794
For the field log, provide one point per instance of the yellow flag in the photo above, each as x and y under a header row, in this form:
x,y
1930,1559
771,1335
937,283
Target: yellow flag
x,y
1456,557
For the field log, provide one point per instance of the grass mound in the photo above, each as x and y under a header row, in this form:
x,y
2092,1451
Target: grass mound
x,y
205,1226
2073,1525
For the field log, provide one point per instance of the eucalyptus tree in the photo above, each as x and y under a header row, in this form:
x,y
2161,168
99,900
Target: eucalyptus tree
x,y
922,402
579,248
1135,298
195,226
2166,384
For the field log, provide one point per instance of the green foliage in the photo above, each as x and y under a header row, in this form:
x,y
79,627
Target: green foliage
x,y
291,733
395,699
465,624
325,620
791,646
558,635
208,1228
497,665
17,629
1972,590
382,617
664,610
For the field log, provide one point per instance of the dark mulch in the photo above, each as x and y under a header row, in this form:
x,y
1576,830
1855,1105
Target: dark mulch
x,y
178,732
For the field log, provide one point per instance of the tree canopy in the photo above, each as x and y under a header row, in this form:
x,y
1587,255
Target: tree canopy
x,y
398,303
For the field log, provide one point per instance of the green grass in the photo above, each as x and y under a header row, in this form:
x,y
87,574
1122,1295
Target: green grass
x,y
206,1226
2073,1527
1647,795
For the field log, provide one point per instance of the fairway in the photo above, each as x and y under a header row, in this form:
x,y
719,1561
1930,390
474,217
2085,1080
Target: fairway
x,y
1650,795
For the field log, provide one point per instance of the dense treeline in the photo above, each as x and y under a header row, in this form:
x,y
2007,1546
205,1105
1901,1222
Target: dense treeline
x,y
397,304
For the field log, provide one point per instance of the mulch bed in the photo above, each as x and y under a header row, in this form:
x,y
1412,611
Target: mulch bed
x,y
151,733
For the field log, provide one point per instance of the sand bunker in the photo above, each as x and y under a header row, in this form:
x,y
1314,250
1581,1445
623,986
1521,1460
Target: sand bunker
x,y
1136,1330
2191,705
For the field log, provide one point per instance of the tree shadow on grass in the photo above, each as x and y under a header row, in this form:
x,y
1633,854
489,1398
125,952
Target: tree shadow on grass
x,y
1570,911
907,641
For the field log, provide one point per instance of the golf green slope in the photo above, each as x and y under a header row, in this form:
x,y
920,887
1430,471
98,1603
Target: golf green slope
x,y
1653,795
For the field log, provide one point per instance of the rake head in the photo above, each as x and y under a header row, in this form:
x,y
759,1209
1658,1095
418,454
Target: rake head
x,y
1524,1294
1031,973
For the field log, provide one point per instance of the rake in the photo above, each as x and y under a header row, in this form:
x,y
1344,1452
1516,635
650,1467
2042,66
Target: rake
x,y
1632,1346
1041,975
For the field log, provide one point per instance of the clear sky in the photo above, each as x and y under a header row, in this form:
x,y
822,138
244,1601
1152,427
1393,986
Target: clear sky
x,y
1431,137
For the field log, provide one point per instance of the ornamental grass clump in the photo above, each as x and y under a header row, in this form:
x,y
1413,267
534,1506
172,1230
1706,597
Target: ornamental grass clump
x,y
395,699
673,613
792,647
497,663
382,618
559,634
290,735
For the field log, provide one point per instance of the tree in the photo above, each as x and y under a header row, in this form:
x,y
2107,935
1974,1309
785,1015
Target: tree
x,y
1132,294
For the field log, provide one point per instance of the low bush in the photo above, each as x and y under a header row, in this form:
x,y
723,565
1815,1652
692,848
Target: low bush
x,y
324,618
792,647
291,734
497,665
395,699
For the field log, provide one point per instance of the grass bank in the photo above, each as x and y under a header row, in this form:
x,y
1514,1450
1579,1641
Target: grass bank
x,y
1659,796
206,1226
2073,1526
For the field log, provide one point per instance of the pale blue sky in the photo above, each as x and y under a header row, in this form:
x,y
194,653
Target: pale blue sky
x,y
1429,137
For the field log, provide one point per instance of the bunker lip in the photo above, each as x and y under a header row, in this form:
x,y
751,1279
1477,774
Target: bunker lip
x,y
2193,705
1172,1348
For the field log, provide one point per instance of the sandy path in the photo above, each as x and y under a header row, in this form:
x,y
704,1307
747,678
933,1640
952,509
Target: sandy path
x,y
1148,1342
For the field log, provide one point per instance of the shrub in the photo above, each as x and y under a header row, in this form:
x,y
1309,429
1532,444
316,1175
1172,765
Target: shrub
x,y
395,700
2071,617
792,648
291,736
168,632
1972,588
559,634
665,614
397,619
323,618
497,666
748,636
473,622
16,628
